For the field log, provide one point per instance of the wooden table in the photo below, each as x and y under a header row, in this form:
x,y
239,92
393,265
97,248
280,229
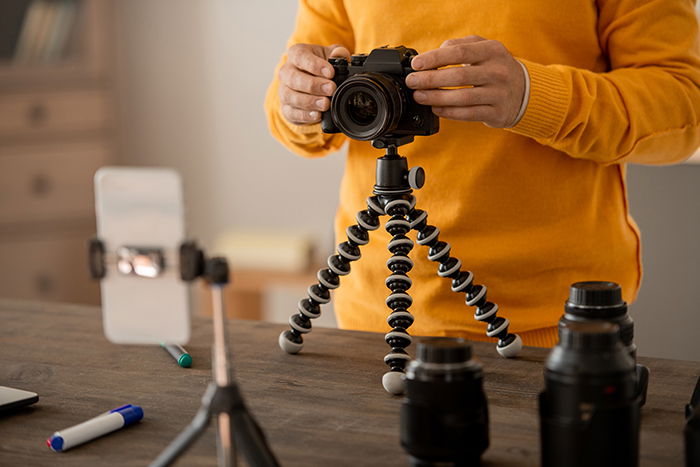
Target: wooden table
x,y
323,407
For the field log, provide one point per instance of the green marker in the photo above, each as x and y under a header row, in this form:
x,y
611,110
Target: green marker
x,y
181,356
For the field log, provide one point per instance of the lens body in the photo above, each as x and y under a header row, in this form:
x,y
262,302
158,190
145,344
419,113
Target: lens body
x,y
589,409
367,105
602,301
444,418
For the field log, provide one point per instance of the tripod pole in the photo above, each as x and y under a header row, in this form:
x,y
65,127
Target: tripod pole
x,y
221,369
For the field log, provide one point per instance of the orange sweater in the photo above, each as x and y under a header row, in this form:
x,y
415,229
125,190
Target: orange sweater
x,y
531,209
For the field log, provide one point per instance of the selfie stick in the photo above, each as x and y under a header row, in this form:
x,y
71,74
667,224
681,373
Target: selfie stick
x,y
236,426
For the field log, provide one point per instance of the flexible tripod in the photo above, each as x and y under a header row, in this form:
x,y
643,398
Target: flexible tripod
x,y
392,197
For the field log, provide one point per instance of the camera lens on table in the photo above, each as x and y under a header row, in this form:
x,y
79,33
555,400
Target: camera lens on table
x,y
602,301
444,418
589,410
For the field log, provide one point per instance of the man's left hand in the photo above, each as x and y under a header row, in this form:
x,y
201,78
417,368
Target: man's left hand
x,y
489,82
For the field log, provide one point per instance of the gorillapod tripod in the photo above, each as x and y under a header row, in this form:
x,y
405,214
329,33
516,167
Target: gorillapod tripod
x,y
392,197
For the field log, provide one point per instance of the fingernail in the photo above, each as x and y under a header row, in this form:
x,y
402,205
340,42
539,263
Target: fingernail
x,y
313,114
410,80
419,95
416,63
321,103
327,89
327,72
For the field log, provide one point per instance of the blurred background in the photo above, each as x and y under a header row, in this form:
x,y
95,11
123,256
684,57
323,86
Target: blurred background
x,y
178,83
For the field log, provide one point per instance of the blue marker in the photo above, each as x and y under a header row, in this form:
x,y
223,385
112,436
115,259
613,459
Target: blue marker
x,y
95,427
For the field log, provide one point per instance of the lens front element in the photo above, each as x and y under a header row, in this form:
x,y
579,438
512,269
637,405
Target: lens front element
x,y
367,106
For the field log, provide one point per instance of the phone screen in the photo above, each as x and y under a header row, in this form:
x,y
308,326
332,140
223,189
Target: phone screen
x,y
140,221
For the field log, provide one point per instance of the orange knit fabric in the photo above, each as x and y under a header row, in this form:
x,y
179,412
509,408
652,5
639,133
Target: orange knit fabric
x,y
530,209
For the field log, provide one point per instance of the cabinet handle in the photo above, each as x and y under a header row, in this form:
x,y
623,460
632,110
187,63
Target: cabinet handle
x,y
37,114
40,185
44,284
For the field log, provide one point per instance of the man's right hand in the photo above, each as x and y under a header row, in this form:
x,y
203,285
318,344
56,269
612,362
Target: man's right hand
x,y
305,82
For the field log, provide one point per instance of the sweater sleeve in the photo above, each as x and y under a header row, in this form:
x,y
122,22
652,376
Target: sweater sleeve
x,y
322,22
646,109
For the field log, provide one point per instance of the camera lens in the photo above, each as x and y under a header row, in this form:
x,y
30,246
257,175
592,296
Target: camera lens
x,y
361,108
589,409
602,301
367,106
444,418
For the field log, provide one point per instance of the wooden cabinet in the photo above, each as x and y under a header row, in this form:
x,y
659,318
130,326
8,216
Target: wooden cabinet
x,y
56,129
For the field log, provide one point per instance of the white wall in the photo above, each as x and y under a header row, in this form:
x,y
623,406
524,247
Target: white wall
x,y
192,78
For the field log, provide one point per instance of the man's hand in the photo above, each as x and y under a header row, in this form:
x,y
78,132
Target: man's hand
x,y
490,82
305,82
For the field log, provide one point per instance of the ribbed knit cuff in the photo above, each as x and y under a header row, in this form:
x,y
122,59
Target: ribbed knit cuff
x,y
549,101
304,129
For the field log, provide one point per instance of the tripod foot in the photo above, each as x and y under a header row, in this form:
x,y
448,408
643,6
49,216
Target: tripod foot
x,y
394,383
510,349
290,343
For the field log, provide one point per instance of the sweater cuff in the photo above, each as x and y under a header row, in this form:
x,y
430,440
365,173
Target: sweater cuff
x,y
314,128
548,102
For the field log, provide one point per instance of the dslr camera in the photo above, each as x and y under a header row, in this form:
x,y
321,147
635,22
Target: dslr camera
x,y
372,100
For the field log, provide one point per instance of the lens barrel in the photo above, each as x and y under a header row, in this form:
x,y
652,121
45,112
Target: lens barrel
x,y
589,409
367,105
444,417
602,301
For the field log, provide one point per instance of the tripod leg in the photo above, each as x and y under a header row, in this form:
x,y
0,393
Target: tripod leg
x,y
291,341
190,434
509,345
399,300
224,441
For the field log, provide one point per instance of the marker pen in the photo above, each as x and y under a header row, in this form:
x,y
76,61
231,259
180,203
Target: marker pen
x,y
95,427
181,356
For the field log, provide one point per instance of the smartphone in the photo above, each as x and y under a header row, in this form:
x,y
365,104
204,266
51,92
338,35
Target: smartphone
x,y
140,221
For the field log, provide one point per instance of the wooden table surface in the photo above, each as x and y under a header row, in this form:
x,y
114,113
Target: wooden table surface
x,y
323,407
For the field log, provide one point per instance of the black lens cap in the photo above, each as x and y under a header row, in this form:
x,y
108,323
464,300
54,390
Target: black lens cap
x,y
595,293
443,350
596,300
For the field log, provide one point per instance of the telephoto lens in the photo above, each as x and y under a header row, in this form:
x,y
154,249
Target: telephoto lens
x,y
444,417
589,409
602,301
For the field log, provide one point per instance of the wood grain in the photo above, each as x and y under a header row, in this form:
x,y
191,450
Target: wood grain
x,y
322,407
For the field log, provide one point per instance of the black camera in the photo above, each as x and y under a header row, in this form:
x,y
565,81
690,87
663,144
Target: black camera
x,y
372,100
444,418
589,409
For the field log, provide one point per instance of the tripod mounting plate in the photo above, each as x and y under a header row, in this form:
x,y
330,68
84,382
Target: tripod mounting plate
x,y
392,141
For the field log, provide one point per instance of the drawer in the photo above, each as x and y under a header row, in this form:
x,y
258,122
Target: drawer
x,y
52,269
49,184
37,114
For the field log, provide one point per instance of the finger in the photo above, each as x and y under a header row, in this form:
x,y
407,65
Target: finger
x,y
455,97
462,40
336,50
453,76
304,82
476,113
473,53
300,116
303,101
304,57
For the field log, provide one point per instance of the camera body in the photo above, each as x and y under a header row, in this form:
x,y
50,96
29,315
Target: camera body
x,y
372,100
